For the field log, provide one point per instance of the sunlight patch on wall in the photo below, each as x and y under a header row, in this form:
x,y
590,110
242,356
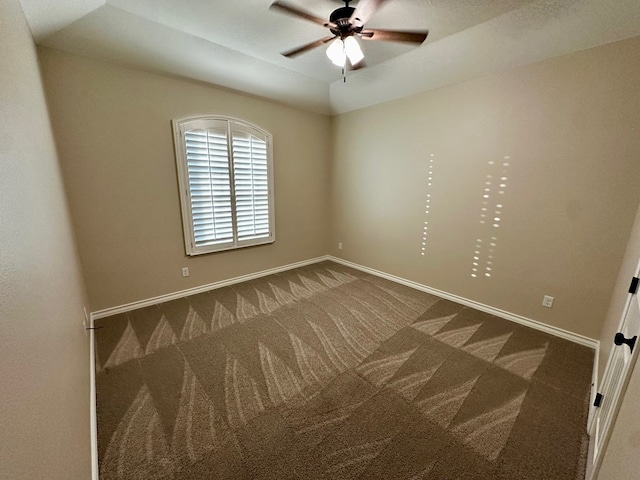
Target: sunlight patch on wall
x,y
427,206
491,214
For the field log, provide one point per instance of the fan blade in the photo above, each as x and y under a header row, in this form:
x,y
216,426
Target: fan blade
x,y
364,11
296,12
308,46
393,36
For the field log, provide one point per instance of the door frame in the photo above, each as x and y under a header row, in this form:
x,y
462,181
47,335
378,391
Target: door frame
x,y
595,460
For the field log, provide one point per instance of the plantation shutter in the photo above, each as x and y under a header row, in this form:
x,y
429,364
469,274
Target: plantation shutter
x,y
251,184
209,185
224,172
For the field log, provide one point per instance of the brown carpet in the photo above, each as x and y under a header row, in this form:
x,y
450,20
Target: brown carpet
x,y
325,372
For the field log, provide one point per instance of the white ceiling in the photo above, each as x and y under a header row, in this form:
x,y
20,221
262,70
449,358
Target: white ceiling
x,y
236,44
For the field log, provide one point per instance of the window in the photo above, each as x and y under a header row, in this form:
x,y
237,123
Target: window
x,y
225,177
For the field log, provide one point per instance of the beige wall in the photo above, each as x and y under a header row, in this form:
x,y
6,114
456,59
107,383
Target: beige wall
x,y
569,127
566,127
44,352
112,125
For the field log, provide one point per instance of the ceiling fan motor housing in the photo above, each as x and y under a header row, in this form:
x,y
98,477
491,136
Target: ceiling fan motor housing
x,y
340,17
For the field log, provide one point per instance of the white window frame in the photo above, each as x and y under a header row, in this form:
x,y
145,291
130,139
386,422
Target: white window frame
x,y
195,122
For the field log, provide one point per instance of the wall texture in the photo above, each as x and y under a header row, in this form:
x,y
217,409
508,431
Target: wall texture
x,y
44,352
550,150
112,125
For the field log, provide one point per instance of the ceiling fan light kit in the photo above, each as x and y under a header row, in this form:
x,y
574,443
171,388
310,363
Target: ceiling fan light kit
x,y
337,53
352,48
346,23
340,50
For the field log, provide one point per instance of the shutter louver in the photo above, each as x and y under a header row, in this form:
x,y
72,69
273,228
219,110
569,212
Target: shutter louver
x,y
251,186
209,186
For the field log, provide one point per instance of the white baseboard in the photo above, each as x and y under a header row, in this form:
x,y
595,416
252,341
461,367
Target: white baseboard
x,y
558,332
93,414
107,312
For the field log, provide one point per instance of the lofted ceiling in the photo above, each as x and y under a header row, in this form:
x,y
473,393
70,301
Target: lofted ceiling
x,y
237,44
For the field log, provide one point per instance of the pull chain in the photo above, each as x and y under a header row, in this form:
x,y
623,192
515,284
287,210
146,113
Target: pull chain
x,y
344,72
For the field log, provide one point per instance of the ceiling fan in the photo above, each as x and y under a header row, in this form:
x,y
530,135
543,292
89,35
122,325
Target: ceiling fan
x,y
345,24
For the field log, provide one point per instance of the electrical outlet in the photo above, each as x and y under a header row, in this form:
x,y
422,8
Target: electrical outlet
x,y
185,271
339,245
547,301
